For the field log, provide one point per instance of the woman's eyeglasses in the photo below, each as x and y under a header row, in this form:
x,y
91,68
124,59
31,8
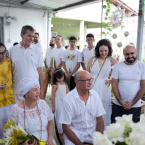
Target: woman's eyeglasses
x,y
3,53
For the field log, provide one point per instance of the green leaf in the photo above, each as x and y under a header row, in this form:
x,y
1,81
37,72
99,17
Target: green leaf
x,y
107,32
108,5
105,18
106,14
107,1
104,6
103,23
103,33
109,29
108,10
104,27
110,2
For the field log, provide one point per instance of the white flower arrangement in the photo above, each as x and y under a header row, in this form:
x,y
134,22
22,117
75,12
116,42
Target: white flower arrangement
x,y
116,19
123,132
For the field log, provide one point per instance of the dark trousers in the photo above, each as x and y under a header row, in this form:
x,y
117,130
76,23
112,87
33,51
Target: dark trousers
x,y
72,83
119,111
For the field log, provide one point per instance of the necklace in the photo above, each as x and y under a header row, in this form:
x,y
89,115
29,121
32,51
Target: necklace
x,y
99,70
71,57
38,113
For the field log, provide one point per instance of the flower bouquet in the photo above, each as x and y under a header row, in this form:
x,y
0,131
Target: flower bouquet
x,y
123,132
15,135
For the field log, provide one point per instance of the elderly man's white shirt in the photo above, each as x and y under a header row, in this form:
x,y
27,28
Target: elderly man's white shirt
x,y
80,116
25,63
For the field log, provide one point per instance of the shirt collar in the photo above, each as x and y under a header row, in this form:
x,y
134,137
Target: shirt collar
x,y
20,46
76,95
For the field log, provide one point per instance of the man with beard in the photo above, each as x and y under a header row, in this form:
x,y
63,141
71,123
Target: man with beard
x,y
36,41
128,84
48,74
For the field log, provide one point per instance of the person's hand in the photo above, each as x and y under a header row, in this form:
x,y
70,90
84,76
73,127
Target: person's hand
x,y
129,106
61,137
68,75
50,141
53,109
26,142
47,70
2,87
108,82
41,94
124,104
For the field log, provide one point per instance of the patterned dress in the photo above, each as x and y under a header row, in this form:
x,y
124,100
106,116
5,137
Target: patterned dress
x,y
6,95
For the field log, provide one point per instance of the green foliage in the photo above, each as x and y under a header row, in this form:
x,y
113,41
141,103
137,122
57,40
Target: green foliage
x,y
143,60
109,29
54,64
108,8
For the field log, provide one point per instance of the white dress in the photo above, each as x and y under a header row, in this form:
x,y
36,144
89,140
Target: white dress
x,y
32,120
102,89
59,95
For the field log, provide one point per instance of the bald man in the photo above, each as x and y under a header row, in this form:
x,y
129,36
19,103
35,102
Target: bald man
x,y
128,84
82,112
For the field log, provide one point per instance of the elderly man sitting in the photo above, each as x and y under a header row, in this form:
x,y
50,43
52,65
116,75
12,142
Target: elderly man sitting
x,y
82,112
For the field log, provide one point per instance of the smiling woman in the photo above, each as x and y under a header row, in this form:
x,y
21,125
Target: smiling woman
x,y
100,69
6,88
32,113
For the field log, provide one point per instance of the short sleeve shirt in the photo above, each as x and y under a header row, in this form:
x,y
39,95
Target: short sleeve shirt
x,y
80,116
71,58
25,63
129,77
87,54
57,55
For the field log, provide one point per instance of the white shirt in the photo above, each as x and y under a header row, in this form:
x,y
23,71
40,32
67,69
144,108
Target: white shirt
x,y
32,120
87,54
57,55
38,45
80,116
71,58
129,77
48,56
25,63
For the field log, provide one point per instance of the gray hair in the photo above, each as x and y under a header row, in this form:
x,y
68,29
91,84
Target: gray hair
x,y
25,28
77,76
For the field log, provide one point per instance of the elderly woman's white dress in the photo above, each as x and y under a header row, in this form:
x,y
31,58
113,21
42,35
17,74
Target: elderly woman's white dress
x,y
102,89
32,120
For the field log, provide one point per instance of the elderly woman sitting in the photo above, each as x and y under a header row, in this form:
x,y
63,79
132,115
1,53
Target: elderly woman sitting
x,y
32,113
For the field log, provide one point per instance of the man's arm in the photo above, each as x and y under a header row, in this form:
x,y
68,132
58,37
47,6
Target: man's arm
x,y
71,135
83,64
60,64
40,71
100,124
140,93
116,92
76,68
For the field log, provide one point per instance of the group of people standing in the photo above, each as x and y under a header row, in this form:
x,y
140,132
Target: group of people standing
x,y
81,98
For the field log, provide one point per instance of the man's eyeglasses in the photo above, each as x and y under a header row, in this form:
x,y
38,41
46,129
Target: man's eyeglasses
x,y
3,53
88,80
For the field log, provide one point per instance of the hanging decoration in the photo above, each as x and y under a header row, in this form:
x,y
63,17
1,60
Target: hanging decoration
x,y
114,36
126,34
116,19
119,44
